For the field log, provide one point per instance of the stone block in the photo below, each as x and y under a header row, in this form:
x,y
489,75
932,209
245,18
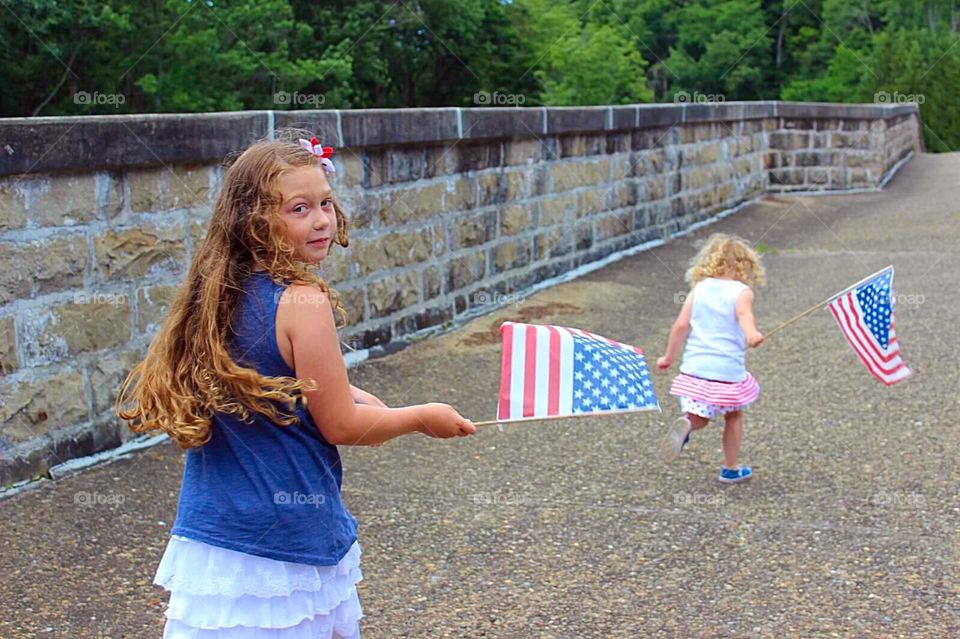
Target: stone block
x,y
515,219
786,177
188,186
479,156
405,164
350,168
153,305
709,154
461,194
107,373
392,293
393,250
491,189
860,140
551,244
582,145
352,302
64,200
818,178
412,204
135,252
520,152
593,202
501,122
658,116
814,158
861,159
577,119
584,236
13,204
650,162
31,408
518,185
432,283
565,176
159,189
95,321
510,255
655,188
558,209
789,140
465,270
388,127
339,264
475,230
41,266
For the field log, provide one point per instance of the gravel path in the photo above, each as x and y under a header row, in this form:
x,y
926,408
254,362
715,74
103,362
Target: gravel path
x,y
573,529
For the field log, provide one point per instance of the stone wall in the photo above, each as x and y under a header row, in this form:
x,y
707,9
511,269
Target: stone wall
x,y
453,212
812,149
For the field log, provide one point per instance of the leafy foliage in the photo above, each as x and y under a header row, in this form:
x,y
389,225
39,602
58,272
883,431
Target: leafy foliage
x,y
120,56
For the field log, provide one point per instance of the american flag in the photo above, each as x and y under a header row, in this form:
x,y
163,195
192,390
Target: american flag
x,y
865,315
550,371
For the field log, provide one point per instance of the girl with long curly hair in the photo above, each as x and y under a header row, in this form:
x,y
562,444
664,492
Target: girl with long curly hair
x,y
246,373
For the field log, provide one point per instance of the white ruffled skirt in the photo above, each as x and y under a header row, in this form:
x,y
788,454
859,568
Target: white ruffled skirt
x,y
217,593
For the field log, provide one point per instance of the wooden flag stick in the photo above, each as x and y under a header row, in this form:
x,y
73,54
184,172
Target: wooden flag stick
x,y
491,422
801,315
824,302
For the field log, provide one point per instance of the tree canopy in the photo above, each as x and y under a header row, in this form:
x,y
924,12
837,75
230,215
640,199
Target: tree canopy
x,y
120,56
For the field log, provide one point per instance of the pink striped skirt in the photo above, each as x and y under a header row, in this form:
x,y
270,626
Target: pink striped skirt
x,y
707,391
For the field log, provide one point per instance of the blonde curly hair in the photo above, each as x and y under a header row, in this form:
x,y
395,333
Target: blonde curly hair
x,y
726,255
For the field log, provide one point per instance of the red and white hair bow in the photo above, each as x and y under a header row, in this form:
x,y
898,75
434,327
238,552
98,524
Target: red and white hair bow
x,y
323,152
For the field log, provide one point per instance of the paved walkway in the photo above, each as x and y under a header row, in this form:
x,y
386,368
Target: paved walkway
x,y
572,529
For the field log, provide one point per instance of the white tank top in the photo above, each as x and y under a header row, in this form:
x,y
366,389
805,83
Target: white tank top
x,y
716,344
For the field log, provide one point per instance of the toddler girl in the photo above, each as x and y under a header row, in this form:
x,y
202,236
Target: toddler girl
x,y
717,324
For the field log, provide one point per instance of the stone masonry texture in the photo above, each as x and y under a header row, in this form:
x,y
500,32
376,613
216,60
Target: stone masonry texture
x,y
453,213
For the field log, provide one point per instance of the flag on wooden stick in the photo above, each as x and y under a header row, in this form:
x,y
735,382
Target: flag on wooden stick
x,y
865,315
554,371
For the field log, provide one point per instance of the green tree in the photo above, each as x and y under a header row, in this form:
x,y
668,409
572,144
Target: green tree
x,y
203,55
424,52
51,51
721,49
233,55
583,62
888,52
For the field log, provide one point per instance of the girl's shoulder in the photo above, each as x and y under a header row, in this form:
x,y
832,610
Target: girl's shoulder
x,y
302,300
724,283
297,304
719,288
303,293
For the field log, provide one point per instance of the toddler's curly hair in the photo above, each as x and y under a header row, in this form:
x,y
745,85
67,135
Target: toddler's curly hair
x,y
724,254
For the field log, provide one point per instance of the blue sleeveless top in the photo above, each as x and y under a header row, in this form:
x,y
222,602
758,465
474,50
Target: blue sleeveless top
x,y
259,488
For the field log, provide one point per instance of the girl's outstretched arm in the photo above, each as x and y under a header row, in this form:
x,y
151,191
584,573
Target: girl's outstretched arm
x,y
305,318
678,335
746,320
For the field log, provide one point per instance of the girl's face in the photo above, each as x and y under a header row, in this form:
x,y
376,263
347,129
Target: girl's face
x,y
307,211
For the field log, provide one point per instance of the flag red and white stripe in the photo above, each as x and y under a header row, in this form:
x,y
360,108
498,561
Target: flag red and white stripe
x,y
883,361
533,360
544,368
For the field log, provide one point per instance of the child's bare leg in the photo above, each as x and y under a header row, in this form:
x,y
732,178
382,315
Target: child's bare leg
x,y
697,422
732,434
